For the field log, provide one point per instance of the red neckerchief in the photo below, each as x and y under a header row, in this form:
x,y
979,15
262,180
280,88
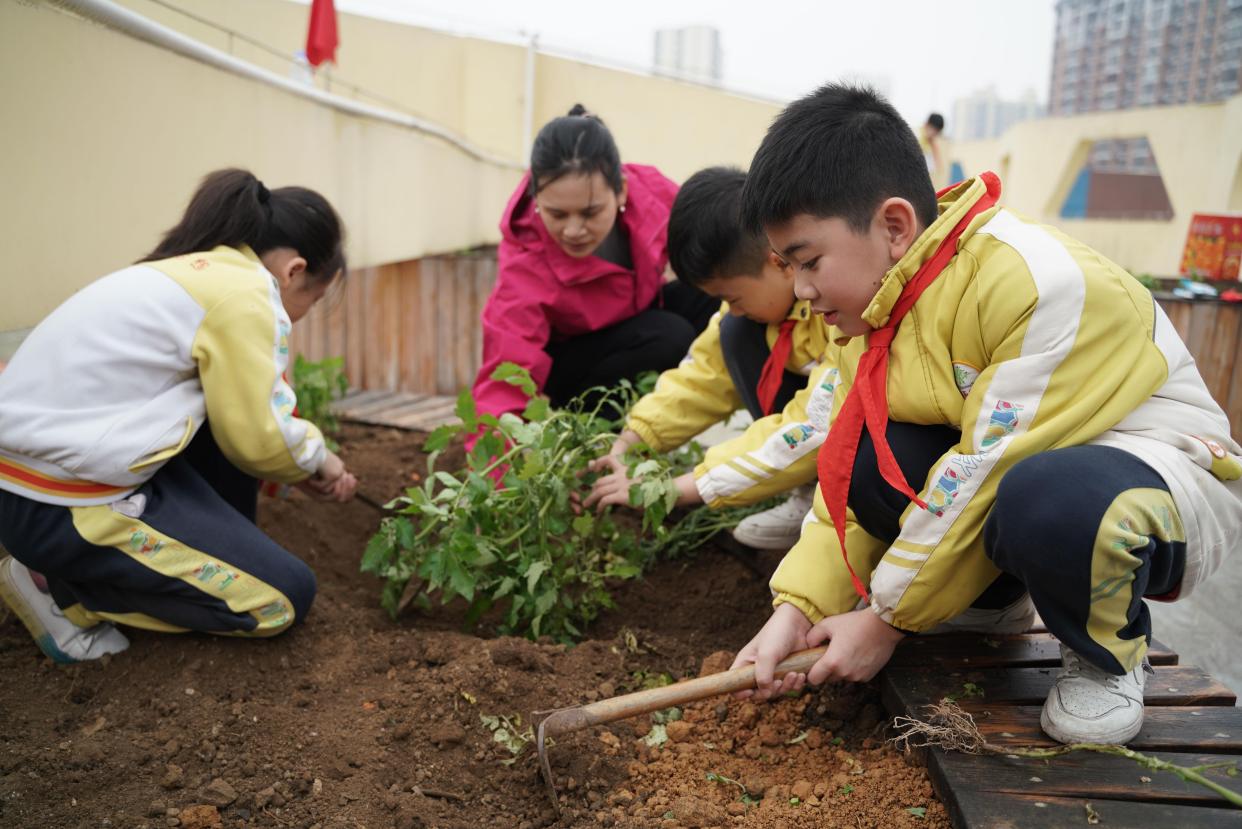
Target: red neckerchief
x,y
774,369
867,402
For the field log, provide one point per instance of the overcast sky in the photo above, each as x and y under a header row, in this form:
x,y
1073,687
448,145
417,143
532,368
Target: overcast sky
x,y
924,54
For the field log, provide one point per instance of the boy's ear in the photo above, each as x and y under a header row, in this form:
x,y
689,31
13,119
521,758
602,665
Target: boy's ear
x,y
900,225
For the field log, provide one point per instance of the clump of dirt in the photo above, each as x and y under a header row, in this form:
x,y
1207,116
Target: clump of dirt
x,y
354,720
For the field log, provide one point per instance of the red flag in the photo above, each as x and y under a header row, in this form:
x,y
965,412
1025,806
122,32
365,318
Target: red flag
x,y
321,40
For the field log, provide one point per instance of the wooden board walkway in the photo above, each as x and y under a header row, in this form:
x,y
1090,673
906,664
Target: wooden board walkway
x,y
1003,680
403,410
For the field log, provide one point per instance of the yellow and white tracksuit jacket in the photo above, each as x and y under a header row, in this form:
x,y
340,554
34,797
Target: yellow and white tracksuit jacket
x,y
139,359
1028,341
700,393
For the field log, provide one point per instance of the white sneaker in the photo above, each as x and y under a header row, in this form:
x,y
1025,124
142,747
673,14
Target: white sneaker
x,y
1018,617
56,636
1088,705
777,528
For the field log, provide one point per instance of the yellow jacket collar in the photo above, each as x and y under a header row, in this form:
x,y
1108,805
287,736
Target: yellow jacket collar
x,y
953,205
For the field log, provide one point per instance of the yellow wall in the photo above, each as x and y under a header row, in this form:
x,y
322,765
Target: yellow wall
x,y
114,133
105,138
1198,149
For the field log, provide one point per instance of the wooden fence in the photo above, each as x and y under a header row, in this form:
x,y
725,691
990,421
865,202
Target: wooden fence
x,y
410,326
414,327
1213,333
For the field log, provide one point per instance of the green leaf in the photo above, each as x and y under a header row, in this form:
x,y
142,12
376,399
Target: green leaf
x,y
657,736
917,811
438,439
536,570
583,524
379,549
515,375
537,409
465,411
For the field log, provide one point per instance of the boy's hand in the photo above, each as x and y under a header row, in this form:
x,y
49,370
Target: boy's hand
x,y
860,643
612,488
785,632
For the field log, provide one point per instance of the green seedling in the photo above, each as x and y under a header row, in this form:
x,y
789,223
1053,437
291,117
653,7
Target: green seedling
x,y
506,531
316,386
713,777
917,811
508,731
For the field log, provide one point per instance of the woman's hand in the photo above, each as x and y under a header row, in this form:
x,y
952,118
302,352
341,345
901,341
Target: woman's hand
x,y
785,632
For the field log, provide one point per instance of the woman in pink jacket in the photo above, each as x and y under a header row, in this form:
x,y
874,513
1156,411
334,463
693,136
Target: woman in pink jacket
x,y
581,300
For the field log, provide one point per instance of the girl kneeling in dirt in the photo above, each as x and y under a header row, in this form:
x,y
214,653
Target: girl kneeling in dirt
x,y
581,300
116,504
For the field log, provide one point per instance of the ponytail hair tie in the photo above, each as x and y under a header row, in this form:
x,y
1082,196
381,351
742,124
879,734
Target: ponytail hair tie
x,y
263,193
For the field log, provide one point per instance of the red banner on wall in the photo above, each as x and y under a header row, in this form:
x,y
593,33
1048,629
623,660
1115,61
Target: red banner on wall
x,y
1213,246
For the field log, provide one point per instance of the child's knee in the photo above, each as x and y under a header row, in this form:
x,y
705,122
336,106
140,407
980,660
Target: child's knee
x,y
1030,518
291,597
300,587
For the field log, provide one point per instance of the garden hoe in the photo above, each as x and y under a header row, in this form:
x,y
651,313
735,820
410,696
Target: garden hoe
x,y
566,720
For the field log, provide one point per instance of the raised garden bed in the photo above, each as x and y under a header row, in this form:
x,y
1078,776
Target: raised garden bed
x,y
356,720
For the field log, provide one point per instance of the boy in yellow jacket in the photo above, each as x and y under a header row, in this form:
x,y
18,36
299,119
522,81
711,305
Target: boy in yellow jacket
x,y
756,353
1011,414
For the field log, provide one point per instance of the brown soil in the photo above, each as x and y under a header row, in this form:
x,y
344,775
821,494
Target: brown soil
x,y
355,720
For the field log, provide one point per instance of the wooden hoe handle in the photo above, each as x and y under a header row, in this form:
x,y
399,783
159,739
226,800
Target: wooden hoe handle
x,y
655,699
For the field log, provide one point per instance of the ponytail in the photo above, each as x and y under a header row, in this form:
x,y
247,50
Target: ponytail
x,y
577,143
232,207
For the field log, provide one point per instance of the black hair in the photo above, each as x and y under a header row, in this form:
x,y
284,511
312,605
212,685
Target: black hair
x,y
574,143
936,121
232,207
705,234
838,152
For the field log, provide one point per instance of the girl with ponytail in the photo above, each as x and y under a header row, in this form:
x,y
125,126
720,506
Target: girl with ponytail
x,y
581,298
138,418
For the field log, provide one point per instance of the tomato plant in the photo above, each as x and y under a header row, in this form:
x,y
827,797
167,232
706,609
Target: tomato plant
x,y
505,530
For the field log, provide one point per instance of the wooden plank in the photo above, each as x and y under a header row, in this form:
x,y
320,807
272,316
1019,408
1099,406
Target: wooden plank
x,y
977,650
384,402
373,376
1220,348
446,298
1213,728
333,305
390,323
1010,811
1202,320
355,327
485,280
411,275
1178,311
1080,774
356,397
400,406
910,688
428,419
464,322
425,331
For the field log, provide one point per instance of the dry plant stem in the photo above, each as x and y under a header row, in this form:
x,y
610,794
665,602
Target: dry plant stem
x,y
949,727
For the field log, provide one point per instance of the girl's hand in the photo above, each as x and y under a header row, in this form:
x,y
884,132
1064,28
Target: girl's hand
x,y
333,482
785,632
